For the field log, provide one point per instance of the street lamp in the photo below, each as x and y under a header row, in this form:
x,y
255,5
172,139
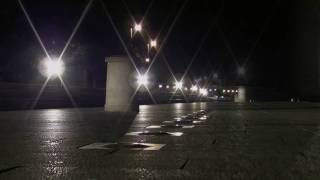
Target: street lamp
x,y
142,79
53,67
178,85
203,92
137,27
194,88
153,43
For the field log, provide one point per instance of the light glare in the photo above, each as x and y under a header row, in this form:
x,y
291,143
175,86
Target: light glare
x,y
194,88
142,80
178,85
153,43
54,67
138,27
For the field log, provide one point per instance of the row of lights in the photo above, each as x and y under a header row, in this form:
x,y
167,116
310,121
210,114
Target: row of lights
x,y
142,80
229,91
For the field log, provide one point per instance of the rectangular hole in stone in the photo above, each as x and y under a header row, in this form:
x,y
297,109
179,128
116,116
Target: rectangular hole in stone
x,y
123,145
173,126
155,133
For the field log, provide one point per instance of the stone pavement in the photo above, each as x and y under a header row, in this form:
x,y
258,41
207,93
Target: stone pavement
x,y
227,141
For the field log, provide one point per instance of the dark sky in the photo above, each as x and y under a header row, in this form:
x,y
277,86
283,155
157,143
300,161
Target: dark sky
x,y
227,34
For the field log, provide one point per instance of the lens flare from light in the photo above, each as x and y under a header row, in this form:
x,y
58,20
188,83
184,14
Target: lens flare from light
x,y
203,92
178,85
194,88
138,27
54,68
142,79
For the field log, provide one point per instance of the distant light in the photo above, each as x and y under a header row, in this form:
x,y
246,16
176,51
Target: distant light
x,y
153,43
232,91
160,86
215,89
143,80
228,91
237,91
178,85
147,60
54,67
241,71
222,97
194,88
203,92
167,86
138,27
210,90
223,90
186,89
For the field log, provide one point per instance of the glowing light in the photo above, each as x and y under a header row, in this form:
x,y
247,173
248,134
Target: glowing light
x,y
232,91
138,27
147,60
167,86
54,68
203,92
228,91
215,89
153,43
210,90
160,86
237,91
223,90
194,88
178,85
186,89
143,80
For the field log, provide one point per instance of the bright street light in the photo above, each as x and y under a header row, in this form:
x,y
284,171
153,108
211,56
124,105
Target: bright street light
x,y
153,43
160,86
142,80
137,27
167,86
194,88
203,92
178,85
54,67
147,60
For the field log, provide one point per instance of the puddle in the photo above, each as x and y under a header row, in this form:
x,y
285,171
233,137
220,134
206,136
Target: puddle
x,y
155,133
123,145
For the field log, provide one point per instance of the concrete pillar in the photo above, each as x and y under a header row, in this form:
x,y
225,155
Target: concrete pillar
x,y
240,97
118,90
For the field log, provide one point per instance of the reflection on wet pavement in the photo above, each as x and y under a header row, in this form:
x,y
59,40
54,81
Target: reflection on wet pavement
x,y
229,141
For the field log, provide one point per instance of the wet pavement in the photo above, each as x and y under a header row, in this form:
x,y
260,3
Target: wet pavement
x,y
176,141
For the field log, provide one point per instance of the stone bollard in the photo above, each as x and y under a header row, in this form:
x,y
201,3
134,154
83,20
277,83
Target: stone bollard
x,y
241,96
118,90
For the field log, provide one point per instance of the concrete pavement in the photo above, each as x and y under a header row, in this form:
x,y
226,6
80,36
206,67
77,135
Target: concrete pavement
x,y
253,141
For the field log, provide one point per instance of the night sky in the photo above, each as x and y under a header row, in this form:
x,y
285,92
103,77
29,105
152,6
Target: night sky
x,y
229,36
